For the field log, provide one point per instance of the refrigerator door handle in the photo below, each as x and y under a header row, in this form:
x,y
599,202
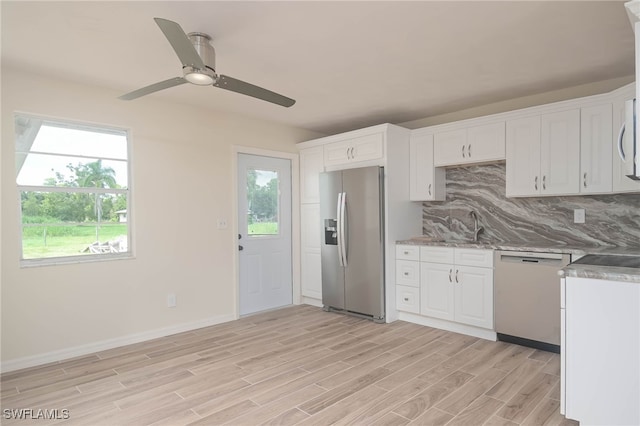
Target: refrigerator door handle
x,y
339,227
343,239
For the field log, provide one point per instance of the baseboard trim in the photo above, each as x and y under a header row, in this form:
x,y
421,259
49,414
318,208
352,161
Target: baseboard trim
x,y
449,326
76,351
312,301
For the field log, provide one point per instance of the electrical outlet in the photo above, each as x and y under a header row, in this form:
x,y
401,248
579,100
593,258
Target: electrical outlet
x,y
171,300
222,224
578,216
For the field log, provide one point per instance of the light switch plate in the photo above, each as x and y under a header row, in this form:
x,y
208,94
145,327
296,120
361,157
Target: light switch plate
x,y
578,216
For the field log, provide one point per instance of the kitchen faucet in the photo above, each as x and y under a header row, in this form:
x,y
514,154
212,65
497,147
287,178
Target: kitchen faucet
x,y
476,229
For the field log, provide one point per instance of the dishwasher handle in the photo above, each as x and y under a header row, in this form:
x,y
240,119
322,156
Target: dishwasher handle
x,y
531,258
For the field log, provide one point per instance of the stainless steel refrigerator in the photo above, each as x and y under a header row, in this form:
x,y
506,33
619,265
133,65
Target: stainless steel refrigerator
x,y
352,212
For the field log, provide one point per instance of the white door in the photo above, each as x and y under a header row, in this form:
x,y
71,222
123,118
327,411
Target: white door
x,y
523,157
474,296
436,290
264,232
596,140
559,149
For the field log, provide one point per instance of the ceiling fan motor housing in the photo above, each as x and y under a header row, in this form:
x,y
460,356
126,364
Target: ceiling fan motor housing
x,y
202,43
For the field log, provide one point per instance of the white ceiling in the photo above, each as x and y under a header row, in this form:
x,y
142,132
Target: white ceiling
x,y
348,64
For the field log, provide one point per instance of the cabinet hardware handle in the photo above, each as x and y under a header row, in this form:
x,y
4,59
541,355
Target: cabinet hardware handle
x,y
429,189
535,183
463,155
584,180
406,299
406,274
544,182
450,272
406,252
469,150
457,276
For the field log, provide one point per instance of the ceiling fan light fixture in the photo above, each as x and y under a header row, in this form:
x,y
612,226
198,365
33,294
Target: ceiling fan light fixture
x,y
199,78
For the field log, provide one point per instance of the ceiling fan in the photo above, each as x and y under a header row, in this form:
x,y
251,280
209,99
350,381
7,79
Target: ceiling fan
x,y
199,67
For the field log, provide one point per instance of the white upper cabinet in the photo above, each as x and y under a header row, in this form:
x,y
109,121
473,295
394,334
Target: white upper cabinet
x,y
486,143
358,149
596,140
542,154
523,157
450,148
477,144
426,183
559,150
311,165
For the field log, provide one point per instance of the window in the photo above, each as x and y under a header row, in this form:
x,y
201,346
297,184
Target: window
x,y
262,202
73,183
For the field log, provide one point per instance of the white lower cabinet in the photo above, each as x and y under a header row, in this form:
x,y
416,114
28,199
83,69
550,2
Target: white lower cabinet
x,y
455,284
600,366
474,296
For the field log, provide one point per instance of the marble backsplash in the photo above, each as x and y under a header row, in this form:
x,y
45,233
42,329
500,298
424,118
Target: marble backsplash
x,y
610,219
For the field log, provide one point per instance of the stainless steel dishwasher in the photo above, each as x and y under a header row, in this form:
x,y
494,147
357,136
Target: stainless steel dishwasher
x,y
527,298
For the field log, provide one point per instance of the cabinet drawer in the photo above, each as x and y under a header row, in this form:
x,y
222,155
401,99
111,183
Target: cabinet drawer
x,y
436,254
408,273
408,299
474,257
408,252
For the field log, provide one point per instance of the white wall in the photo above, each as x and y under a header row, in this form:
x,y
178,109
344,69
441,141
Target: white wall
x,y
523,102
181,182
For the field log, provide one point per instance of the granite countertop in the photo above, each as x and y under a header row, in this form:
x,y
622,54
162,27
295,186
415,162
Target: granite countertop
x,y
520,246
605,267
611,262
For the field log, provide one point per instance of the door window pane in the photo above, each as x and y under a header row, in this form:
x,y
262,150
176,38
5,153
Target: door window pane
x,y
263,196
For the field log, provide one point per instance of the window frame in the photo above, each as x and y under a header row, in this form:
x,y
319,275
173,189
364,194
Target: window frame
x,y
82,126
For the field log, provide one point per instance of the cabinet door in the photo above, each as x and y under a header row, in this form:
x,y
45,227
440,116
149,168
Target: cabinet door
x,y
426,183
559,150
450,148
311,165
370,147
596,140
486,143
337,153
523,157
310,240
621,183
362,148
474,296
436,290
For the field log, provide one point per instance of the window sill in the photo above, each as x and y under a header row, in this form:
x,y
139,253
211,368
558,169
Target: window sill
x,y
52,261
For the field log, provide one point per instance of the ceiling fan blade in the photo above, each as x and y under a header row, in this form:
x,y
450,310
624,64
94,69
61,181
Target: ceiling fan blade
x,y
239,86
180,43
153,88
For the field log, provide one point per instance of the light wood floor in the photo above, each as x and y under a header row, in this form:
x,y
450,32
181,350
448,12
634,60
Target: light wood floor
x,y
298,365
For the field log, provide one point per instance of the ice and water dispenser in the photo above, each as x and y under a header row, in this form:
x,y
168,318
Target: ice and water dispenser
x,y
331,232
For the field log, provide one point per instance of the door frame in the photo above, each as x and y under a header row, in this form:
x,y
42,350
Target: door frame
x,y
295,219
